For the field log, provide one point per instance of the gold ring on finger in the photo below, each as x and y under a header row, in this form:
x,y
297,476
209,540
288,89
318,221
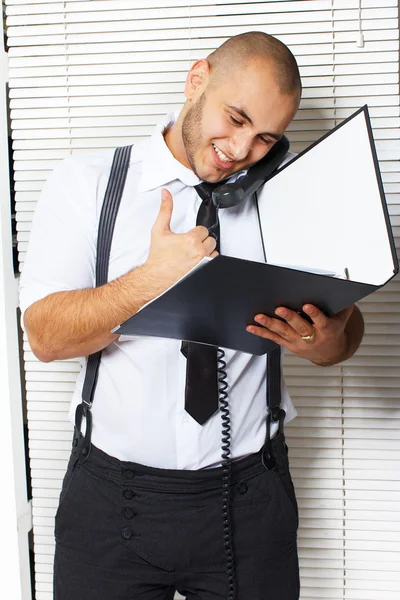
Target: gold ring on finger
x,y
309,338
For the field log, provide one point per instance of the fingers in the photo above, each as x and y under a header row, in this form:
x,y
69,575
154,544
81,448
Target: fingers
x,y
201,234
297,323
283,333
209,245
322,322
265,331
291,325
327,343
275,326
163,221
318,318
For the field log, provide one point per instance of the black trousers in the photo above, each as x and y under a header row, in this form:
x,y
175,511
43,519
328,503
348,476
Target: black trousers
x,y
125,531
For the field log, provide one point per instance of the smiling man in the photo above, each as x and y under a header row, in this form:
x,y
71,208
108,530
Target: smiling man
x,y
140,508
240,101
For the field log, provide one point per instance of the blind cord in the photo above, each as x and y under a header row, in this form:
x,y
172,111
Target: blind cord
x,y
360,39
66,59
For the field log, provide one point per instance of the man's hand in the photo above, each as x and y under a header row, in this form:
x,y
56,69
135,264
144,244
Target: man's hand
x,y
172,255
335,338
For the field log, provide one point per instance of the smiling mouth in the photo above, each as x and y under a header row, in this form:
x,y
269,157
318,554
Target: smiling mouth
x,y
221,159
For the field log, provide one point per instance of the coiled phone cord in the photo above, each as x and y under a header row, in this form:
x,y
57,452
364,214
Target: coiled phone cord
x,y
226,474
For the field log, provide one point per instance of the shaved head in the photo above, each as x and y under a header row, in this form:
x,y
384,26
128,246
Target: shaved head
x,y
238,51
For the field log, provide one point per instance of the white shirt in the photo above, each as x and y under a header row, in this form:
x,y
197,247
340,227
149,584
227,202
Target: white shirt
x,y
138,408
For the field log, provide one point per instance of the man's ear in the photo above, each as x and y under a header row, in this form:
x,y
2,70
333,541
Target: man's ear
x,y
197,79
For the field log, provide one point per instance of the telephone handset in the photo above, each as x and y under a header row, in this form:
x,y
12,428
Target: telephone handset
x,y
227,195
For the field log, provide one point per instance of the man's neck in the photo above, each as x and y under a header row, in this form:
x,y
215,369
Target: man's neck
x,y
173,139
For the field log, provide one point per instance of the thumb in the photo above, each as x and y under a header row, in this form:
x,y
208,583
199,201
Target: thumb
x,y
163,221
345,314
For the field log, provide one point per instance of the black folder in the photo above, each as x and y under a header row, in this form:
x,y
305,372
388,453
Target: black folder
x,y
214,303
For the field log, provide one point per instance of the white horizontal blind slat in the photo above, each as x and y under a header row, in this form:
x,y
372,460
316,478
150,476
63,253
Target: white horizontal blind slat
x,y
96,74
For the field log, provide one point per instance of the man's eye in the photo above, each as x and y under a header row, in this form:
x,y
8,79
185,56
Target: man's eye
x,y
235,121
264,141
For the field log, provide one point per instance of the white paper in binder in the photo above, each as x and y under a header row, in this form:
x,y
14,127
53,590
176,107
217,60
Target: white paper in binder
x,y
326,208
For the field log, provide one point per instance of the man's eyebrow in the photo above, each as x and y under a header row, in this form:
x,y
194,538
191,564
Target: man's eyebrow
x,y
246,117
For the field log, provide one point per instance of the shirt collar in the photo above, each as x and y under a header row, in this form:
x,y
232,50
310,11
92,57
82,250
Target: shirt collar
x,y
159,165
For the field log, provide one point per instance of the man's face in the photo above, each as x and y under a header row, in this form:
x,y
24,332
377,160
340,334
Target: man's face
x,y
232,126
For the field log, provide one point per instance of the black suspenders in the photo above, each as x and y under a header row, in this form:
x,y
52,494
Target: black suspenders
x,y
108,215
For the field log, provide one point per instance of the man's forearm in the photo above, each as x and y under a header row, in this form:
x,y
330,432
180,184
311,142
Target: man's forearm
x,y
78,322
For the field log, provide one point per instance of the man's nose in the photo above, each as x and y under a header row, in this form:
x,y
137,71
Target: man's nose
x,y
240,146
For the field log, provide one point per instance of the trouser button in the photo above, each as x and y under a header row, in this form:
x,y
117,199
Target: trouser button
x,y
127,534
128,513
128,474
128,494
242,487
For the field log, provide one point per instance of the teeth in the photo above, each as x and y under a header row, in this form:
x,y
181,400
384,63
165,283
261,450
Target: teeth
x,y
221,154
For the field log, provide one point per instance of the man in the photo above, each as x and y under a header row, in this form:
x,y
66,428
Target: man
x,y
140,516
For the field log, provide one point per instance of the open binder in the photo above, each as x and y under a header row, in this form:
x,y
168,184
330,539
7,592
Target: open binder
x,y
325,210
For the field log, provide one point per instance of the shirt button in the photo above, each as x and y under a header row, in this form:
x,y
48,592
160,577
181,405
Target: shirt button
x,y
242,487
128,513
128,494
185,419
127,534
128,474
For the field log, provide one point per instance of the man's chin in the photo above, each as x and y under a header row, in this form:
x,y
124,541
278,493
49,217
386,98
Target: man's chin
x,y
217,176
214,179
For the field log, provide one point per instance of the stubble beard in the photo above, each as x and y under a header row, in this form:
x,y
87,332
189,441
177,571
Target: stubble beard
x,y
191,131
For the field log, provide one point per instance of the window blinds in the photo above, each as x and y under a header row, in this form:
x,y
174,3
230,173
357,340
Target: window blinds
x,y
91,74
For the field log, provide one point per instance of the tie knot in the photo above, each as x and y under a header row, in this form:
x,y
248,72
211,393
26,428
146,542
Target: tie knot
x,y
205,190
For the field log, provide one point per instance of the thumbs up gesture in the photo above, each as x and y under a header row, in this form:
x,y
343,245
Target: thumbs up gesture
x,y
171,254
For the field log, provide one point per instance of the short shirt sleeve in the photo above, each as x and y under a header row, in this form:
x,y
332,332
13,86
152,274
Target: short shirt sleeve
x,y
62,246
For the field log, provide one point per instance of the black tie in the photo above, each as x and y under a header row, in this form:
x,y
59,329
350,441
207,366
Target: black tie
x,y
201,392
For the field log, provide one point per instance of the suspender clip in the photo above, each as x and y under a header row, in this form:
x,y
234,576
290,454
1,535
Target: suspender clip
x,y
275,413
83,411
268,460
